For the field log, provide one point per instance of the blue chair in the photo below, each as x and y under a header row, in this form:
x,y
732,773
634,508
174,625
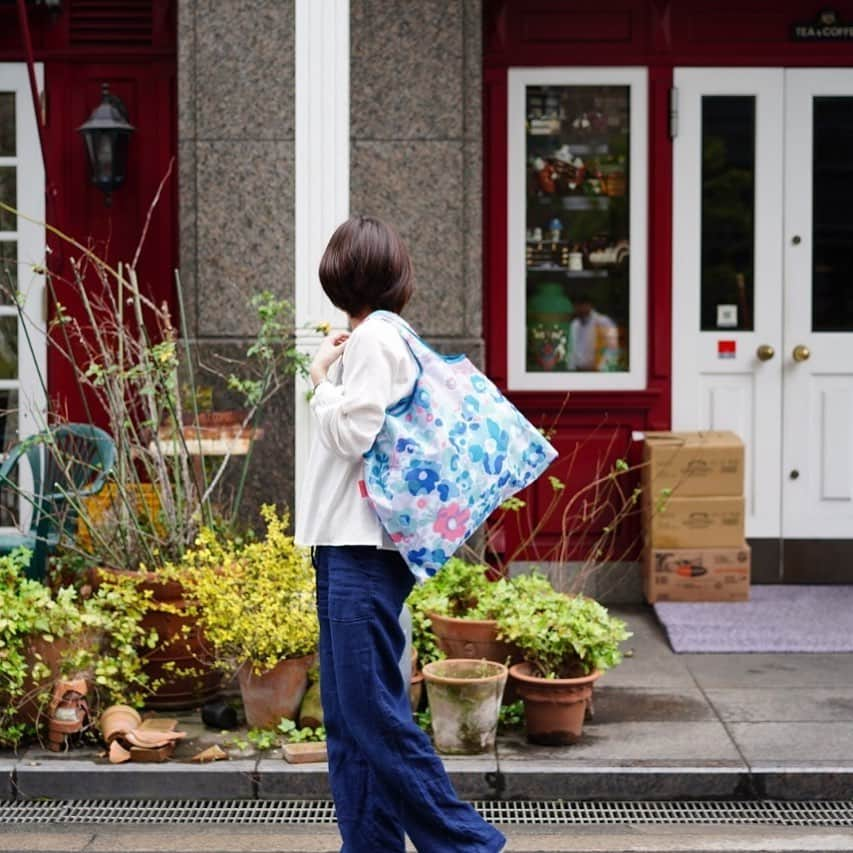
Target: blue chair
x,y
67,463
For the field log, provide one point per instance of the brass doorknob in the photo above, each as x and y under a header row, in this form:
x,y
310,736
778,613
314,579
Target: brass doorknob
x,y
765,352
801,353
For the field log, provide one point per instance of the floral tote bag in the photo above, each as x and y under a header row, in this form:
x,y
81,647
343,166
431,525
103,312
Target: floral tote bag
x,y
447,456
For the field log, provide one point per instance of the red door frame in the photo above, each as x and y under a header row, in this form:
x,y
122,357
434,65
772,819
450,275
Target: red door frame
x,y
660,35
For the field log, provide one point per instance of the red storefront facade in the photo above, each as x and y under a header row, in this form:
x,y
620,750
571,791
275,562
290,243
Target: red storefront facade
x,y
665,42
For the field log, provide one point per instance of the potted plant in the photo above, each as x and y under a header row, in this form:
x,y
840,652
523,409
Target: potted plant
x,y
465,700
48,634
567,642
460,604
254,601
136,371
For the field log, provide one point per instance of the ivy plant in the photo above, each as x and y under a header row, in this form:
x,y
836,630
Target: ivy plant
x,y
562,636
98,636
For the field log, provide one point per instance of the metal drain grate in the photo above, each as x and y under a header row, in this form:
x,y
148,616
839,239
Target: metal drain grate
x,y
776,812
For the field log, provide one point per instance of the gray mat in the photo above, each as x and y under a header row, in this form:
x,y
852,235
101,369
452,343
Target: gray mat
x,y
776,619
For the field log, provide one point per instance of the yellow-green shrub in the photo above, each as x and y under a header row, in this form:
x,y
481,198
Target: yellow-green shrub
x,y
254,602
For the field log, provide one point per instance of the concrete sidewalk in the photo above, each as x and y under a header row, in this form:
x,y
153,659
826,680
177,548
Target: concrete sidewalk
x,y
322,839
666,726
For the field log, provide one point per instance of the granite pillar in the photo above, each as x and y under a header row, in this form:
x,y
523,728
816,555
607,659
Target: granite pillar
x,y
416,150
236,152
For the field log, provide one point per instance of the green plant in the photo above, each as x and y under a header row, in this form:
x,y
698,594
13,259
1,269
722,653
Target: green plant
x,y
511,716
424,720
254,600
294,734
95,635
562,636
262,739
463,590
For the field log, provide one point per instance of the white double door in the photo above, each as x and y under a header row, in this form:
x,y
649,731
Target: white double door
x,y
763,285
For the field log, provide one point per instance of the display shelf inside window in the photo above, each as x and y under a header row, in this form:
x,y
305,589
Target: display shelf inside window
x,y
577,227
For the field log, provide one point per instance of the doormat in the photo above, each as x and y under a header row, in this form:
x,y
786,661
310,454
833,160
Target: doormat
x,y
777,618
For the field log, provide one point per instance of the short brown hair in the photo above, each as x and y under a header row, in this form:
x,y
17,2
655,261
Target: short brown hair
x,y
367,267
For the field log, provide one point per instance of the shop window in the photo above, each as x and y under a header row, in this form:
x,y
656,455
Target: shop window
x,y
577,229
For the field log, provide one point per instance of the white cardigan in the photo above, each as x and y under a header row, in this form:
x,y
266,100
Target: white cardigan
x,y
375,371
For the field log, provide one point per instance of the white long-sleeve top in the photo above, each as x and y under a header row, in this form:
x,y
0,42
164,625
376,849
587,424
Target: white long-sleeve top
x,y
375,371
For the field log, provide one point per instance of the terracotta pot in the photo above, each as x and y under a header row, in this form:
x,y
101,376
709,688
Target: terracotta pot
x,y
554,708
51,653
465,699
174,652
416,691
276,693
118,719
472,638
476,639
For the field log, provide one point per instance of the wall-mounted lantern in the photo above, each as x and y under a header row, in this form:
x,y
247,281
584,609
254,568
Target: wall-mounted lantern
x,y
106,133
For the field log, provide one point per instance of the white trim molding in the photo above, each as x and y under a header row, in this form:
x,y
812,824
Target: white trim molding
x,y
29,238
322,176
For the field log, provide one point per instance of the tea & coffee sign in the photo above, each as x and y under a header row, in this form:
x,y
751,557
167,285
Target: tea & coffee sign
x,y
827,27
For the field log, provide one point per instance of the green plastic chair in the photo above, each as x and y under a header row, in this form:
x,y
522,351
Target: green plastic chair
x,y
68,463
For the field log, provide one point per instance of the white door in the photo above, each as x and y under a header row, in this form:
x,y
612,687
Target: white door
x,y
762,254
727,269
22,257
818,339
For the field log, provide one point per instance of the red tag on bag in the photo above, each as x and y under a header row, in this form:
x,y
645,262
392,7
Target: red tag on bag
x,y
362,488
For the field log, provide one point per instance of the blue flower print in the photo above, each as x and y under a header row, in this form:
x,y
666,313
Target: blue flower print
x,y
464,482
421,477
478,382
533,455
417,557
439,556
446,490
492,452
403,522
470,407
422,398
405,445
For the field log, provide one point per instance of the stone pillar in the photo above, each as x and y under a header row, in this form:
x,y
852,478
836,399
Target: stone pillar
x,y
236,174
415,107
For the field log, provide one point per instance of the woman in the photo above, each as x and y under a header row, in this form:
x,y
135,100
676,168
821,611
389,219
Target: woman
x,y
385,776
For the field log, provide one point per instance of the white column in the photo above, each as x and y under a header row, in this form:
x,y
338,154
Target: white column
x,y
322,175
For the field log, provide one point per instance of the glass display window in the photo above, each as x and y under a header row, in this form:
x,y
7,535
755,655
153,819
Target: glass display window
x,y
577,198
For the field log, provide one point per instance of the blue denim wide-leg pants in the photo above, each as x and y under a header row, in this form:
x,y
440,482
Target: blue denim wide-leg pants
x,y
385,776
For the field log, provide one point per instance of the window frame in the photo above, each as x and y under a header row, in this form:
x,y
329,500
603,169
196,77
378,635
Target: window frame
x,y
519,378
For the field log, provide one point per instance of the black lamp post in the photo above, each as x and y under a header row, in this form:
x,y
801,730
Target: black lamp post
x,y
106,133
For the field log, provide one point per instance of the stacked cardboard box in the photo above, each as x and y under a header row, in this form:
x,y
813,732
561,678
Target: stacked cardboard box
x,y
693,517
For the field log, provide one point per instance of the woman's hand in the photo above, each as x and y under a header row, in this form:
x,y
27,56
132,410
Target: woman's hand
x,y
329,352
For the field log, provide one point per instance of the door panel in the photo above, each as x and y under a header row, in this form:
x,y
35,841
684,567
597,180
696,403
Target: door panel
x,y
818,245
727,269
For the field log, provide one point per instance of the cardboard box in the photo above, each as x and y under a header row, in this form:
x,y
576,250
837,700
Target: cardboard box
x,y
717,522
697,574
693,463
